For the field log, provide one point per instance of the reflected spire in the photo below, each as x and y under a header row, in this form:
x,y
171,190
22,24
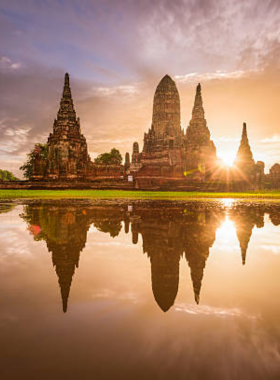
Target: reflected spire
x,y
245,218
197,264
64,229
197,276
244,235
65,269
165,279
162,241
199,237
243,254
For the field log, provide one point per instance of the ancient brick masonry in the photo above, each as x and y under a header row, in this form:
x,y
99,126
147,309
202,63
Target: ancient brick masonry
x,y
68,157
162,157
274,174
163,142
170,159
200,149
245,167
168,154
244,158
67,154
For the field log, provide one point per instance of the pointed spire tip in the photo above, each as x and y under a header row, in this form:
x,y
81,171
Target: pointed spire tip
x,y
66,79
244,130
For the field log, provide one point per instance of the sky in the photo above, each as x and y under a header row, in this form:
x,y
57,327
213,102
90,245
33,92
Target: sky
x,y
116,52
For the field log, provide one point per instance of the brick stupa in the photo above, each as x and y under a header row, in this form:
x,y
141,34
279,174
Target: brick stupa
x,y
164,138
67,148
200,149
244,158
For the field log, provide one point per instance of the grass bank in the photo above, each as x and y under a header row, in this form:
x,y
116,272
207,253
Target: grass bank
x,y
123,194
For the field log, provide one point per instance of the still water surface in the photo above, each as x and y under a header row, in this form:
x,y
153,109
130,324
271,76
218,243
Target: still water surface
x,y
139,291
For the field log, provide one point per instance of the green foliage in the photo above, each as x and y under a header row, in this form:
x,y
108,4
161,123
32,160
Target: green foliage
x,y
112,158
5,175
259,195
39,150
112,226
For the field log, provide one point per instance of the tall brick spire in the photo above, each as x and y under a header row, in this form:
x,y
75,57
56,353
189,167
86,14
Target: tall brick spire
x,y
67,148
198,111
200,149
244,135
244,155
66,110
66,88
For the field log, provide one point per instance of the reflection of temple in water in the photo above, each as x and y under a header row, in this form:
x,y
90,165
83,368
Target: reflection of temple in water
x,y
167,233
162,241
201,226
65,233
245,218
64,228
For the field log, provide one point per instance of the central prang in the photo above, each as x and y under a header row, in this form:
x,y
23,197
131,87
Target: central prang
x,y
165,133
166,109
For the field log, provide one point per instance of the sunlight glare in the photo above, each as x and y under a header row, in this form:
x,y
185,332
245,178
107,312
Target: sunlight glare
x,y
227,231
227,157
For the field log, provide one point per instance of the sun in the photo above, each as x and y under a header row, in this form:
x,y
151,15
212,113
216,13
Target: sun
x,y
227,157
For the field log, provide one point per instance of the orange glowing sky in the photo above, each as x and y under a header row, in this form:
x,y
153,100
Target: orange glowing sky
x,y
117,52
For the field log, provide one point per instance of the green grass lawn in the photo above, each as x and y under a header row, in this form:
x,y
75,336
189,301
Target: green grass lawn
x,y
123,194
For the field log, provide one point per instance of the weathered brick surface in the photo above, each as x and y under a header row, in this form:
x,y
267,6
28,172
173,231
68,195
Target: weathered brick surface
x,y
68,154
200,149
170,159
168,153
245,167
68,157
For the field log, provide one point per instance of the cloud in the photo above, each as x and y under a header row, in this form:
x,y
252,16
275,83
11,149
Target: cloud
x,y
219,74
117,52
125,90
7,64
212,311
275,139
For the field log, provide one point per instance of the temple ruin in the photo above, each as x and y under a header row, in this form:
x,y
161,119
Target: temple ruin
x,y
171,159
67,156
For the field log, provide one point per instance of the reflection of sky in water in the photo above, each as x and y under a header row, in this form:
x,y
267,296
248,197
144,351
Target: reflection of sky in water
x,y
113,315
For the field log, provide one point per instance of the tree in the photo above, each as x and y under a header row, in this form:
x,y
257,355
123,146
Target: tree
x,y
39,151
5,175
112,158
